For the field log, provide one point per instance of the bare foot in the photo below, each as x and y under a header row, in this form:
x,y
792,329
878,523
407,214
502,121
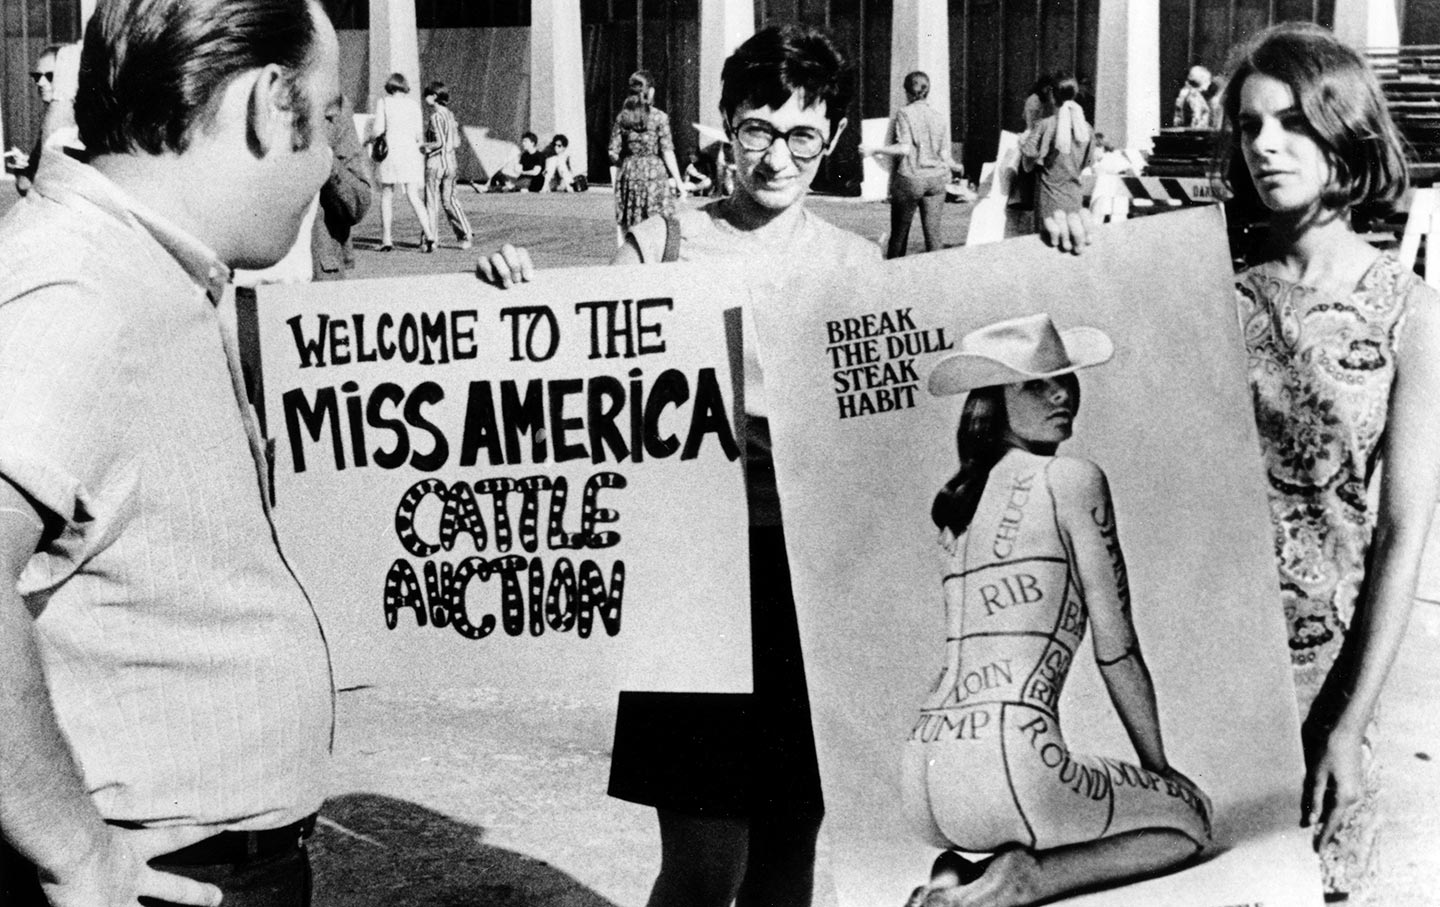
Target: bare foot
x,y
1010,880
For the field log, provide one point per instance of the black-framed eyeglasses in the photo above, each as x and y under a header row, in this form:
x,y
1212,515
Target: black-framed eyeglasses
x,y
39,77
804,142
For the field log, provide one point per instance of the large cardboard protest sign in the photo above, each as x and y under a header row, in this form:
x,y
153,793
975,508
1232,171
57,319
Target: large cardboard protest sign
x,y
861,450
531,489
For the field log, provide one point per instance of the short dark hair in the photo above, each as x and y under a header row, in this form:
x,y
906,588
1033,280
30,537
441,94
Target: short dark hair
x,y
438,89
1340,99
560,139
531,136
397,84
917,84
777,62
152,71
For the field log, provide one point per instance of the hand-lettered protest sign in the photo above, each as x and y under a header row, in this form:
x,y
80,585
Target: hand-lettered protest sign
x,y
537,488
1074,563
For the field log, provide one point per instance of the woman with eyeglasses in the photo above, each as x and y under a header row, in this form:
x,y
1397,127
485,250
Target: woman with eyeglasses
x,y
642,158
734,777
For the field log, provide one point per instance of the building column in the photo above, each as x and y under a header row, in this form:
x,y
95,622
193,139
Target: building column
x,y
557,75
1127,77
920,39
724,26
394,46
1367,23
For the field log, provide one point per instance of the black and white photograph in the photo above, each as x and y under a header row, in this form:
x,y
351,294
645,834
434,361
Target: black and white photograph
x,y
1017,487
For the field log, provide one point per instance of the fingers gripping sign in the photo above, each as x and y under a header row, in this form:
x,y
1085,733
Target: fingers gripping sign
x,y
1069,231
507,266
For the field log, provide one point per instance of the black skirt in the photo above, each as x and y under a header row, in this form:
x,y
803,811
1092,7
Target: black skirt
x,y
730,755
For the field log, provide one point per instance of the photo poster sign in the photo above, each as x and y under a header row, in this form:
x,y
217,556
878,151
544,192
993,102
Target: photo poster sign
x,y
861,449
532,489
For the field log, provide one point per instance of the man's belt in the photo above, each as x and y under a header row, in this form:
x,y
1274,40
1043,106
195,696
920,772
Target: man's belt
x,y
242,846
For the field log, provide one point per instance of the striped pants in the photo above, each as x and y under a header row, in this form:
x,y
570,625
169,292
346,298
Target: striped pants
x,y
440,193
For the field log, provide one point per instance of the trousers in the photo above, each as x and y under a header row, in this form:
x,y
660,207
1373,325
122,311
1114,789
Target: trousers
x,y
907,193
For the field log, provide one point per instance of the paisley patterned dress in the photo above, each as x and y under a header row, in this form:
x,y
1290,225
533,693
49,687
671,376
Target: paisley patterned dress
x,y
1320,372
642,184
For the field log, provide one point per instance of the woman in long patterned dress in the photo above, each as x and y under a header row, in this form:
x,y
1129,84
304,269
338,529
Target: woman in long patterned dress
x,y
646,176
1344,362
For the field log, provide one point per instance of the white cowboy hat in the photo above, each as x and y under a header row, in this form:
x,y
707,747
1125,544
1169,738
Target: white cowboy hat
x,y
1016,350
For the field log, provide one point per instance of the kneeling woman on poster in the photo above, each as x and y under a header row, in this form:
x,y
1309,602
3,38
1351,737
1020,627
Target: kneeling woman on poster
x,y
1030,555
1343,347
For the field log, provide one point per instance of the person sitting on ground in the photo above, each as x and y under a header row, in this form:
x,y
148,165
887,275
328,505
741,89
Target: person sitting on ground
x,y
558,176
524,170
697,180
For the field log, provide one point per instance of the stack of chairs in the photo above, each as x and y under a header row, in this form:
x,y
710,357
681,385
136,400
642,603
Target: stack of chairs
x,y
1410,78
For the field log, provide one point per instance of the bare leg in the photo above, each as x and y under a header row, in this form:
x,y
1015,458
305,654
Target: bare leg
x,y
702,861
387,214
417,204
1018,877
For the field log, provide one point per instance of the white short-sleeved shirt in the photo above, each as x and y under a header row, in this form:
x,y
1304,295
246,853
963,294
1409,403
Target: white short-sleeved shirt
x,y
815,244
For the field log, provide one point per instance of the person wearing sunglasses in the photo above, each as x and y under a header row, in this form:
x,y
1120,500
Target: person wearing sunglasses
x,y
17,163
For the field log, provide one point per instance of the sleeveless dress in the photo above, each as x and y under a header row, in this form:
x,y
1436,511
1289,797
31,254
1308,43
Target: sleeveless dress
x,y
642,185
1320,373
986,764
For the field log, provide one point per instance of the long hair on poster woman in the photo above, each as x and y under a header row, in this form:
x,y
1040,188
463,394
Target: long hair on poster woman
x,y
1030,556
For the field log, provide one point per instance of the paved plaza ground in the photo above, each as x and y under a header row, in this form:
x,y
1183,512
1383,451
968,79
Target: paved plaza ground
x,y
571,230
427,809
454,837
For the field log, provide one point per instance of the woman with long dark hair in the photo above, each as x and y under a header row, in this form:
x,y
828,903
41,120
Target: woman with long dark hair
x,y
1344,361
1032,556
642,153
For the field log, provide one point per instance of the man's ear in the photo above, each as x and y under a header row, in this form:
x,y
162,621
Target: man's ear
x,y
269,122
835,138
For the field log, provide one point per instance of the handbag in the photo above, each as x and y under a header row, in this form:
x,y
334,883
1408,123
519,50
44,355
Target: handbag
x,y
380,146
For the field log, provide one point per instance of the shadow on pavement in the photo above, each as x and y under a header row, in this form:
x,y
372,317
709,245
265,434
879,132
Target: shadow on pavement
x,y
370,850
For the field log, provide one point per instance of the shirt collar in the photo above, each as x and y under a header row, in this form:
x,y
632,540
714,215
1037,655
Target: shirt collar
x,y
61,175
